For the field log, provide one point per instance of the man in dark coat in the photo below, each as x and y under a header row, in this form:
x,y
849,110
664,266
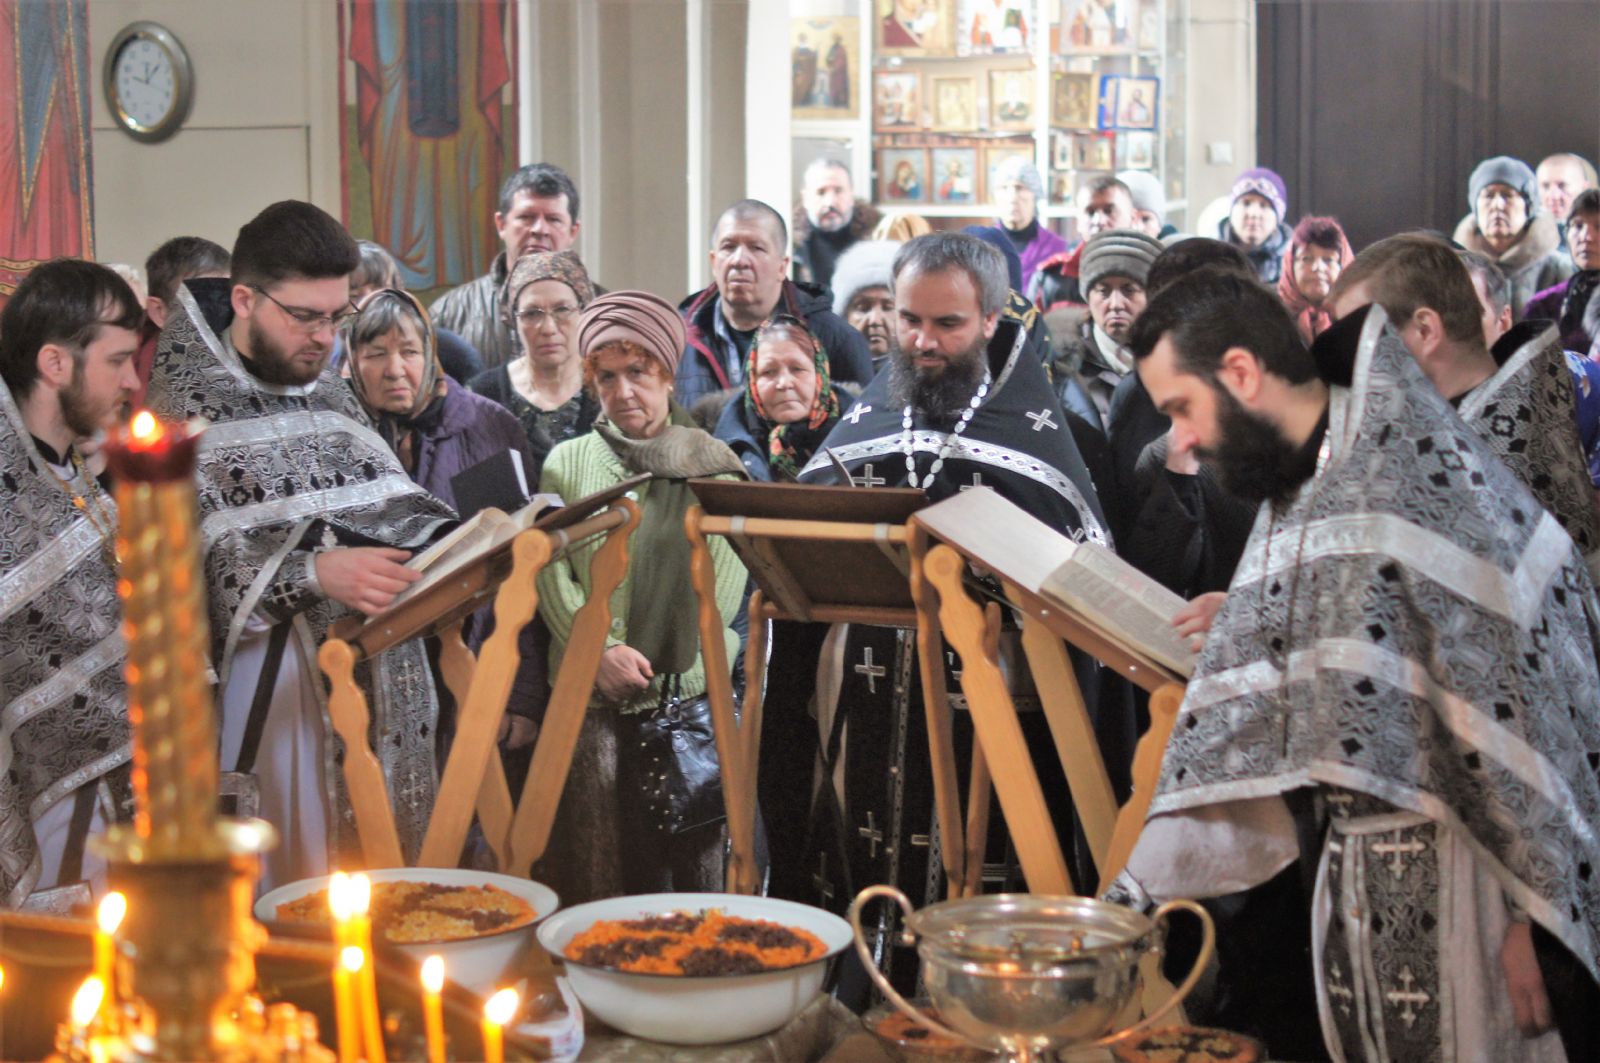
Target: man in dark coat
x,y
748,264
828,220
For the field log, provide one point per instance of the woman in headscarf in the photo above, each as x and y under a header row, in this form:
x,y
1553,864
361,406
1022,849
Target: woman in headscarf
x,y
543,296
437,427
609,837
1317,253
788,406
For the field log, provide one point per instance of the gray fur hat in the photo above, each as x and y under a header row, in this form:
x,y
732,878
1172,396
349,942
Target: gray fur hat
x,y
1504,170
864,264
1117,252
1017,168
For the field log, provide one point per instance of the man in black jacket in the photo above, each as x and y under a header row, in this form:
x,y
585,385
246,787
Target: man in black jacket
x,y
748,267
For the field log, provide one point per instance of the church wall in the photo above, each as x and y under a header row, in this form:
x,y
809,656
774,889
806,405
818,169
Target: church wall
x,y
263,126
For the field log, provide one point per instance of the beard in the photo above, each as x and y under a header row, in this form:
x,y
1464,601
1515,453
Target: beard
x,y
939,395
1252,458
271,363
84,417
830,219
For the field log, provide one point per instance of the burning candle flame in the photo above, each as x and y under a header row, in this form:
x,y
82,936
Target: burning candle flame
x,y
433,973
352,958
86,1001
360,893
339,899
502,1007
111,912
144,427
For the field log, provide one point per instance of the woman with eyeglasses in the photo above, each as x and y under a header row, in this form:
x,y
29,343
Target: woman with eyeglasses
x,y
542,298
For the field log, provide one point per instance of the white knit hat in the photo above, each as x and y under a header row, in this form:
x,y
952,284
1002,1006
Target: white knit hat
x,y
865,264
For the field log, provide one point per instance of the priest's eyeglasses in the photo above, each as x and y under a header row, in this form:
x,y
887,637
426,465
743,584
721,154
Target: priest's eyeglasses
x,y
310,320
534,316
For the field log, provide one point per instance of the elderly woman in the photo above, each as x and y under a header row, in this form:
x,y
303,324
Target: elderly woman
x,y
378,269
438,428
542,298
788,406
612,836
1317,253
861,294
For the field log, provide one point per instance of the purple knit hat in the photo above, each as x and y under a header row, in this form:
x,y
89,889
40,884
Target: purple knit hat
x,y
1264,183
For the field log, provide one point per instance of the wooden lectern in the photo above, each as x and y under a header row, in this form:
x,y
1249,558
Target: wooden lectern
x,y
474,778
858,564
982,528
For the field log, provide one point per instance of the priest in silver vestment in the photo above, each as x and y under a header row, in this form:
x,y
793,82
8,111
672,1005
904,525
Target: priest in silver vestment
x,y
67,340
306,515
1517,394
1394,718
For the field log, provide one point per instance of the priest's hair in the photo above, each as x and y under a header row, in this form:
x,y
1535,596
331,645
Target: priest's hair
x,y
293,240
939,251
1216,308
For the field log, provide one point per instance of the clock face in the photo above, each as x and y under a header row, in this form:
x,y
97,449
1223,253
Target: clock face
x,y
146,84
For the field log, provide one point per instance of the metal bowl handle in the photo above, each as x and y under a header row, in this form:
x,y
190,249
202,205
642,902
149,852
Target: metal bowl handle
x,y
1207,946
863,898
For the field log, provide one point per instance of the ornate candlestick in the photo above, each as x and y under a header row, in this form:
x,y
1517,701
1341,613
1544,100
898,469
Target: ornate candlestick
x,y
185,953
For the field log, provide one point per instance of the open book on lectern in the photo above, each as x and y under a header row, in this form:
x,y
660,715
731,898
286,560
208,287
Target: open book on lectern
x,y
1085,580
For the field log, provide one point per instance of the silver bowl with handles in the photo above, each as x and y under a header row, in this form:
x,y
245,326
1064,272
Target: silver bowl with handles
x,y
1029,975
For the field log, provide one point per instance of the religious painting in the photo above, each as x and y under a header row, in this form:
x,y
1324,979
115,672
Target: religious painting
x,y
955,104
896,99
902,175
1136,151
1072,103
825,67
1061,151
996,155
955,175
434,133
1096,27
915,27
1011,99
1094,151
1128,102
1149,31
1061,189
46,210
986,27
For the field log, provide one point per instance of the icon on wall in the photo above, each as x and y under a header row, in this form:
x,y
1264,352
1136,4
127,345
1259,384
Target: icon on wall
x,y
903,175
915,27
825,67
897,99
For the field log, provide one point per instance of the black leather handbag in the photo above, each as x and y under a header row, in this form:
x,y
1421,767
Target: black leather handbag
x,y
673,758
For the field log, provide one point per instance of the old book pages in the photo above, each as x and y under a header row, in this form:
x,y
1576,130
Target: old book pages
x,y
474,538
1084,579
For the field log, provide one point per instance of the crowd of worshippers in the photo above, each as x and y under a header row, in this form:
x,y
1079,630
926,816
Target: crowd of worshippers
x,y
1372,476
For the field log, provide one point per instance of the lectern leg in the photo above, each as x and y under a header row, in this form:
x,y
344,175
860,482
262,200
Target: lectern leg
x,y
941,739
1147,756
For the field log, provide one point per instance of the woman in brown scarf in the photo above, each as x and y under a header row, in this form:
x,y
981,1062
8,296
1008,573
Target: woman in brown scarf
x,y
608,838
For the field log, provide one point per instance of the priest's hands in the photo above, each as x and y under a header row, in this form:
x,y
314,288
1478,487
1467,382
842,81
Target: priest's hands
x,y
365,578
1530,1004
1193,621
624,671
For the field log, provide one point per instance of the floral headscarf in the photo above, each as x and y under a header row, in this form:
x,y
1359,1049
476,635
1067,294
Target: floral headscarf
x,y
790,446
563,266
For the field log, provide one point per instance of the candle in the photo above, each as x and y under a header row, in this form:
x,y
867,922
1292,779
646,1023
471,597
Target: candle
x,y
433,1006
361,938
344,1003
164,613
86,1002
107,918
497,1011
339,906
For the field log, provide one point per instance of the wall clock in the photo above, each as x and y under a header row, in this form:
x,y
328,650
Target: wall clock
x,y
148,80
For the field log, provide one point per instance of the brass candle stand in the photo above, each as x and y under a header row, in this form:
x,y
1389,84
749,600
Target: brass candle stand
x,y
184,972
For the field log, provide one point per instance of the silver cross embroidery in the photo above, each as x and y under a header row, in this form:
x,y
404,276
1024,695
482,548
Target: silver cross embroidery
x,y
1398,851
866,479
872,834
977,481
1042,420
1407,997
820,879
1337,988
873,672
856,413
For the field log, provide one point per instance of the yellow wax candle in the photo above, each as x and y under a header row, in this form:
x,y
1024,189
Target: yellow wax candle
x,y
498,1010
86,1003
361,938
433,1006
108,917
344,1003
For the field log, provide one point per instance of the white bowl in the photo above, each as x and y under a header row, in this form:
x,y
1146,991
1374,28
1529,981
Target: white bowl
x,y
695,1011
483,963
